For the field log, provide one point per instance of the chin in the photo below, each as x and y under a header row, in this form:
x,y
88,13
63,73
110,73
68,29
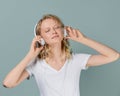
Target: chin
x,y
55,42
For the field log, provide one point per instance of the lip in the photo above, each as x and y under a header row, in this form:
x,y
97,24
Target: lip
x,y
55,36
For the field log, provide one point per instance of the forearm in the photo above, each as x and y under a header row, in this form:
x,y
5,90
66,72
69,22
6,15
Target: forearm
x,y
99,47
14,75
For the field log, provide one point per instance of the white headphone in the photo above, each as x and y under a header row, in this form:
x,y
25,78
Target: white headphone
x,y
42,42
65,33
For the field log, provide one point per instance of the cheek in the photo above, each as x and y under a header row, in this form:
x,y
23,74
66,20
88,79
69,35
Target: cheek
x,y
61,35
46,38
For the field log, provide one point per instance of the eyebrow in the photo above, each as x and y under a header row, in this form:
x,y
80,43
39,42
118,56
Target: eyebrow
x,y
49,27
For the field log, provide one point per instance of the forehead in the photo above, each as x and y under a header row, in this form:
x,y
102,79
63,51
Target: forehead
x,y
48,23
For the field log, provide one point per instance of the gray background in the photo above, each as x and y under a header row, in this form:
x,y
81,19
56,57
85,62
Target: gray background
x,y
97,19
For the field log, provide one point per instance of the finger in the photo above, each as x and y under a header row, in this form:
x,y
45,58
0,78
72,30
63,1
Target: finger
x,y
39,49
75,32
80,34
34,42
37,44
37,38
67,37
69,30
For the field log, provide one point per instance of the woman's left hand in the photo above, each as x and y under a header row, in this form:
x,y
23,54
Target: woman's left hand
x,y
74,34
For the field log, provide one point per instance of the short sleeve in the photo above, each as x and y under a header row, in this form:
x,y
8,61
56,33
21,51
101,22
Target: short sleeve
x,y
81,60
30,67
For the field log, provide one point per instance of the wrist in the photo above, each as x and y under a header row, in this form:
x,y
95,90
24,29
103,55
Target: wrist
x,y
30,56
83,39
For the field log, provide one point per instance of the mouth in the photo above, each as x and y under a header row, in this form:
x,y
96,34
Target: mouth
x,y
56,36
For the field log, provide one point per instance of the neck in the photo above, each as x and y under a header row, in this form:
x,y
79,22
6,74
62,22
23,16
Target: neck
x,y
56,53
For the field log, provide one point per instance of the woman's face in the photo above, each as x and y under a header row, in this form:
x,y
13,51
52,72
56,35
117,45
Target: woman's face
x,y
51,31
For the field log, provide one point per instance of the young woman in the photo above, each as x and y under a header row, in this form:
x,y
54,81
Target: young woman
x,y
55,68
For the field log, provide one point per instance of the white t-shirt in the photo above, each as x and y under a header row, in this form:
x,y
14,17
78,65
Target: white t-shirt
x,y
64,82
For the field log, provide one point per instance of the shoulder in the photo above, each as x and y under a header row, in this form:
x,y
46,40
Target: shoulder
x,y
80,60
80,55
35,63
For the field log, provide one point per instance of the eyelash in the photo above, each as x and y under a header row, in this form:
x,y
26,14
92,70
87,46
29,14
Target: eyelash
x,y
57,27
47,31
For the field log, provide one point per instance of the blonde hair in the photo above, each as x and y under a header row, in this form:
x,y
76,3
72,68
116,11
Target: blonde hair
x,y
46,50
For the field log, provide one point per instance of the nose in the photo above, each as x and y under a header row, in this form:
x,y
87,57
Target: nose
x,y
54,31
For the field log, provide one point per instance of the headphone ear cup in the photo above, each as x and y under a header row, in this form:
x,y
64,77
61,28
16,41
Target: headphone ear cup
x,y
65,33
42,41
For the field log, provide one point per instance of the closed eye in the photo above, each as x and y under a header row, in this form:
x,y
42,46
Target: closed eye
x,y
47,31
56,27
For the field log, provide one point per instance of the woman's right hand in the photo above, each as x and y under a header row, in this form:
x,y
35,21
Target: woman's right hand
x,y
34,51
